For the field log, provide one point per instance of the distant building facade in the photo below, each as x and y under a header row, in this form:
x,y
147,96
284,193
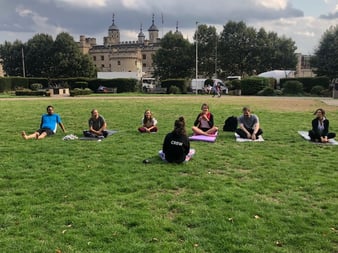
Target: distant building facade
x,y
1,68
303,67
125,56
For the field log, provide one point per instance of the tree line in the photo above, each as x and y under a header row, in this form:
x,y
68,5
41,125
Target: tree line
x,y
236,50
239,50
42,56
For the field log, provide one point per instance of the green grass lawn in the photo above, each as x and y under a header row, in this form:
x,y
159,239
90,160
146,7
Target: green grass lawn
x,y
84,196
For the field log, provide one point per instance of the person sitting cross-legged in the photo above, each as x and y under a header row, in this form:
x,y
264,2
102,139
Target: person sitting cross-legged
x,y
176,145
97,126
149,123
249,127
204,123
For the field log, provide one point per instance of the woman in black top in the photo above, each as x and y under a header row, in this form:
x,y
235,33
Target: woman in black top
x,y
320,128
176,145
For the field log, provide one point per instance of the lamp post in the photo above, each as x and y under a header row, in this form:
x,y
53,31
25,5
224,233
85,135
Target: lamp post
x,y
23,63
196,57
216,56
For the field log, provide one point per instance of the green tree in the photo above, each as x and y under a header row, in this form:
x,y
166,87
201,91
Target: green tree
x,y
175,58
12,55
68,61
325,57
44,57
243,50
39,55
285,54
207,40
235,47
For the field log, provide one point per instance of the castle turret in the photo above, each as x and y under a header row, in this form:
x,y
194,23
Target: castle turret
x,y
113,34
141,36
153,32
177,31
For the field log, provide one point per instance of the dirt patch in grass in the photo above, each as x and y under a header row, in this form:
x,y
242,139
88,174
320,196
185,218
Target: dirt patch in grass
x,y
288,104
284,104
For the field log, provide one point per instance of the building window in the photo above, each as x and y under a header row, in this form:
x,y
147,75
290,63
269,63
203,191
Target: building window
x,y
102,57
119,63
144,65
305,62
102,66
94,58
144,56
135,63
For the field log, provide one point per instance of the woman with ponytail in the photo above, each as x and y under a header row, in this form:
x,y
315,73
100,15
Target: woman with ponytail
x,y
176,145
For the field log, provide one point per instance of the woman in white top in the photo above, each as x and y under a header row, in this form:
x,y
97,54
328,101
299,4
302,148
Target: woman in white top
x,y
149,123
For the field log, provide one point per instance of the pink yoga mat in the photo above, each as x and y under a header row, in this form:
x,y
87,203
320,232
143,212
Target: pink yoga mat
x,y
203,138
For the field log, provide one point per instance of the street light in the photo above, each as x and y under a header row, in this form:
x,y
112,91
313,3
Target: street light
x,y
216,56
23,62
196,57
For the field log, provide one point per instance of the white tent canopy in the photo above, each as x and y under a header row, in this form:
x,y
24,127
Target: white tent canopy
x,y
278,74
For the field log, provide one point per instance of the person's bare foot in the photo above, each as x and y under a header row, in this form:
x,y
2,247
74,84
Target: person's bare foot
x,y
323,140
24,135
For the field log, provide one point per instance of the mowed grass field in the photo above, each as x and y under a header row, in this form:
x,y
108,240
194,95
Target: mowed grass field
x,y
86,196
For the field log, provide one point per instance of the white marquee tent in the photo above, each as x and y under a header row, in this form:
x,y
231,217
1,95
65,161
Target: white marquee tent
x,y
278,74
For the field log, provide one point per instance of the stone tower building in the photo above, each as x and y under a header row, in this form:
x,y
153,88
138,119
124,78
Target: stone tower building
x,y
125,56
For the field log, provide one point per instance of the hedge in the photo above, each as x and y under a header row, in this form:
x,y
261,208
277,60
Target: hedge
x,y
309,82
5,84
181,84
31,93
121,84
252,85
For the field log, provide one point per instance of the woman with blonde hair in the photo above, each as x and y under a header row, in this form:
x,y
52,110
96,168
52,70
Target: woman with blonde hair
x,y
149,123
204,123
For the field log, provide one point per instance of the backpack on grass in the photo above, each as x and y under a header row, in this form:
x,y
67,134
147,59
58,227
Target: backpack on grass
x,y
230,124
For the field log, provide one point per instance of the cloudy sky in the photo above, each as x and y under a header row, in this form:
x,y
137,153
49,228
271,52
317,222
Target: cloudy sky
x,y
304,21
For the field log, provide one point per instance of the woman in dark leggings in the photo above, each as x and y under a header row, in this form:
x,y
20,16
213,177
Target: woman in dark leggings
x,y
320,128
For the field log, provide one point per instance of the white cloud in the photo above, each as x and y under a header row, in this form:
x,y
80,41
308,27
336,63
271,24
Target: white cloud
x,y
286,22
133,4
38,22
305,31
86,3
273,4
23,12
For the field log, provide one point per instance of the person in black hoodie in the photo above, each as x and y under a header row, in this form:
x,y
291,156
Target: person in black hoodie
x,y
320,128
176,145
